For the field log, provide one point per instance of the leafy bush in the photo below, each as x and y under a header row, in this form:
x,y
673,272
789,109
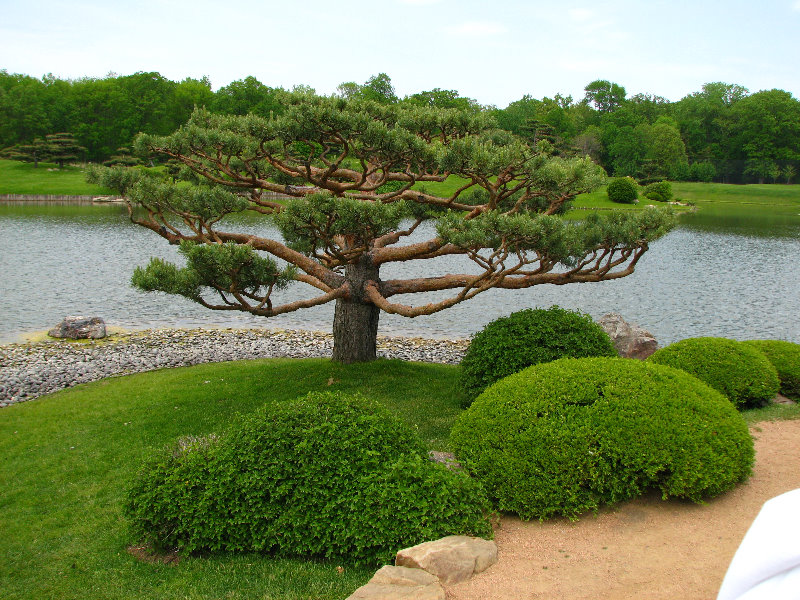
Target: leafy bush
x,y
571,435
528,337
327,475
785,357
702,171
733,368
623,190
660,191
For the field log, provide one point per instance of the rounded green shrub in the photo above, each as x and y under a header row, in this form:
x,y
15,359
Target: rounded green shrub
x,y
327,475
660,191
569,436
528,337
737,370
785,357
623,190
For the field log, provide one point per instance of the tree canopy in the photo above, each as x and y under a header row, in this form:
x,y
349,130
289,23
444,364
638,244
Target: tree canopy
x,y
727,133
359,179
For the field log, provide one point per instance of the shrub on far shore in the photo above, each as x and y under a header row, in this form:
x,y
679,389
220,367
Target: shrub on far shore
x,y
737,370
785,357
326,476
660,191
569,436
528,337
623,190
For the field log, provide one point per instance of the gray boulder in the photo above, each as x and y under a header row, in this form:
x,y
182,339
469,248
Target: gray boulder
x,y
630,340
79,328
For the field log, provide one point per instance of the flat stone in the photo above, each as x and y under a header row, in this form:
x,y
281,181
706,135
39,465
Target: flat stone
x,y
400,583
452,559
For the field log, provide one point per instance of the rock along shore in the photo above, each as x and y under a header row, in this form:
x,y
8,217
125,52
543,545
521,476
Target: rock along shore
x,y
33,369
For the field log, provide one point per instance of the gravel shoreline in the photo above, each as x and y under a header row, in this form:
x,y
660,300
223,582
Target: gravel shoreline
x,y
30,370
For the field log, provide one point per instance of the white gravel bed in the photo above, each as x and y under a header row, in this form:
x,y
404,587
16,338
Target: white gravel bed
x,y
33,369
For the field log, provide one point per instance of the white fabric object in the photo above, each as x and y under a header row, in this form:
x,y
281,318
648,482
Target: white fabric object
x,y
767,564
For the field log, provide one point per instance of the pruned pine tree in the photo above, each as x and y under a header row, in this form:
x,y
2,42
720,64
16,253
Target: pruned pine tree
x,y
62,148
359,177
34,152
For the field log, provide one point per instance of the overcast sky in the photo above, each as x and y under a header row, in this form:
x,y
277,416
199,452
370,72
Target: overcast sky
x,y
494,52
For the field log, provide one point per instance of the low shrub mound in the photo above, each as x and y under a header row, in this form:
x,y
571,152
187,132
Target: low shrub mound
x,y
529,337
327,475
623,190
785,357
660,191
569,436
737,370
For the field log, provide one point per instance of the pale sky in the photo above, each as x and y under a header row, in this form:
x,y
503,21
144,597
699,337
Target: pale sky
x,y
494,52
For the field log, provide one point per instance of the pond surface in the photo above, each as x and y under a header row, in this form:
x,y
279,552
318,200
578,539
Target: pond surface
x,y
727,271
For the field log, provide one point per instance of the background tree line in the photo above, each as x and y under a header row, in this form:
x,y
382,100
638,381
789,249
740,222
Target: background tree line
x,y
721,133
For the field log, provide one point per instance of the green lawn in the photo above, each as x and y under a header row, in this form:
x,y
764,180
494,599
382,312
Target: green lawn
x,y
706,193
23,178
67,459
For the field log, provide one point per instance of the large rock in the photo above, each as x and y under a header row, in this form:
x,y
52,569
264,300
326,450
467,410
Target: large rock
x,y
630,340
79,328
452,559
400,583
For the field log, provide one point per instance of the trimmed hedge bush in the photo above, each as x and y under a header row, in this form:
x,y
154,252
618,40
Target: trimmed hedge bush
x,y
327,475
660,191
623,190
739,371
528,337
569,436
785,357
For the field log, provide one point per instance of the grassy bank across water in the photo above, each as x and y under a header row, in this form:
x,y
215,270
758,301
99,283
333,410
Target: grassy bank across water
x,y
46,179
22,178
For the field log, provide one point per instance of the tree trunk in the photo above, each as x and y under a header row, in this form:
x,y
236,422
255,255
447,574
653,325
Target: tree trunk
x,y
355,321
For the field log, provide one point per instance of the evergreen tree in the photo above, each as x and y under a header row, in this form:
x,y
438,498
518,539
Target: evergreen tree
x,y
361,177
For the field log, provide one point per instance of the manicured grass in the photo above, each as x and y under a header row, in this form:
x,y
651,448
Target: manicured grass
x,y
771,194
772,412
67,459
22,178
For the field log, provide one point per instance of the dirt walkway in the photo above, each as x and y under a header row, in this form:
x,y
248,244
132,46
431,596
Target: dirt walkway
x,y
645,549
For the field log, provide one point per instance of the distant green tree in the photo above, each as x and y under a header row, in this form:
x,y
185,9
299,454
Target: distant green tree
x,y
34,152
590,143
23,109
377,88
789,173
439,98
627,149
123,158
702,171
62,148
604,95
188,95
705,121
245,96
665,149
513,117
765,132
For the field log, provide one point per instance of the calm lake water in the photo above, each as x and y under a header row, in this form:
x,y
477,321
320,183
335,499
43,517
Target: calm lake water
x,y
725,271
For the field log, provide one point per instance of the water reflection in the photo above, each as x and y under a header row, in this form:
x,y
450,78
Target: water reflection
x,y
736,277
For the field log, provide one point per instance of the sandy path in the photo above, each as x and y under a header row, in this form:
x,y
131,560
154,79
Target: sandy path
x,y
644,549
